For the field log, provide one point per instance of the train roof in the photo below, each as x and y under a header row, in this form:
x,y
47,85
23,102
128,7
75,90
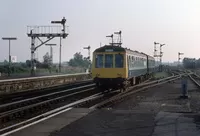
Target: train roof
x,y
109,47
118,49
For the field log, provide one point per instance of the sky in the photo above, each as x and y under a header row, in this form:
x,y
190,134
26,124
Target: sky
x,y
175,23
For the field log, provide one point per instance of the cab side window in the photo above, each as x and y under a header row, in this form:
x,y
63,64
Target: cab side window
x,y
119,61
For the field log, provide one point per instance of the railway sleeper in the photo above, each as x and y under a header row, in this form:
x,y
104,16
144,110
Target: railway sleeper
x,y
18,115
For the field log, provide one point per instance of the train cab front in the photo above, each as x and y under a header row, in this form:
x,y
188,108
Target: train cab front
x,y
108,70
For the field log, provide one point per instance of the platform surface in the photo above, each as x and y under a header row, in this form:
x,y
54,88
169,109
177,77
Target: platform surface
x,y
45,128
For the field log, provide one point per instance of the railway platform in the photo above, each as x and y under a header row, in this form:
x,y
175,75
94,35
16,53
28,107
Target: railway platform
x,y
157,111
13,86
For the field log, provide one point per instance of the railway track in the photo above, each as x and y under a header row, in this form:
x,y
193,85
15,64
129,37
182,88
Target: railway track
x,y
43,103
133,90
29,94
51,107
195,78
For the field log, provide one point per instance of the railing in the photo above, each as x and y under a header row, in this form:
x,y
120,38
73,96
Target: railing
x,y
44,29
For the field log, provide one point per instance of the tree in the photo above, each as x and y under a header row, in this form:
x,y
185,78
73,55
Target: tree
x,y
189,63
79,61
47,60
28,63
198,63
5,62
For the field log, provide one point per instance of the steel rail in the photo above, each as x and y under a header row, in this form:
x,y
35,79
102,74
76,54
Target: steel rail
x,y
9,130
10,112
46,95
194,80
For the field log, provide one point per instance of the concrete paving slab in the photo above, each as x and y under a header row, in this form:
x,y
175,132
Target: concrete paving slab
x,y
176,124
54,124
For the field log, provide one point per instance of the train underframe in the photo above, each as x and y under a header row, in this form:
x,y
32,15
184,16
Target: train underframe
x,y
109,84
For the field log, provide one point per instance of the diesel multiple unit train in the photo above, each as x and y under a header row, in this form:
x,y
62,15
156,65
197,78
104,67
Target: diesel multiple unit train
x,y
115,67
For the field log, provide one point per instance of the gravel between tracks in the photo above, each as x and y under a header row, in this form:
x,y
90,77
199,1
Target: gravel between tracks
x,y
156,111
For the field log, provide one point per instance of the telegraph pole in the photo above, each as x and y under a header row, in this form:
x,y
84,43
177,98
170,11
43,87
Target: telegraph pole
x,y
51,54
51,51
9,39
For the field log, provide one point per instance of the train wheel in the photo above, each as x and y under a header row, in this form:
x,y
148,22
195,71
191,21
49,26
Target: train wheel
x,y
121,90
137,80
124,89
132,82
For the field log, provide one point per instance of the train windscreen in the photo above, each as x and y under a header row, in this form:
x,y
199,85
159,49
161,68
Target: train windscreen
x,y
108,60
99,61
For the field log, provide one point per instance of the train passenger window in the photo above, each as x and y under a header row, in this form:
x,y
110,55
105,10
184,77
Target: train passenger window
x,y
99,61
119,60
108,61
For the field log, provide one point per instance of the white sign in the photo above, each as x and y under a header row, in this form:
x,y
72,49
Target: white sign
x,y
13,59
109,50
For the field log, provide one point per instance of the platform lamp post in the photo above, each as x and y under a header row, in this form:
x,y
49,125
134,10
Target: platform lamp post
x,y
88,58
9,39
51,54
